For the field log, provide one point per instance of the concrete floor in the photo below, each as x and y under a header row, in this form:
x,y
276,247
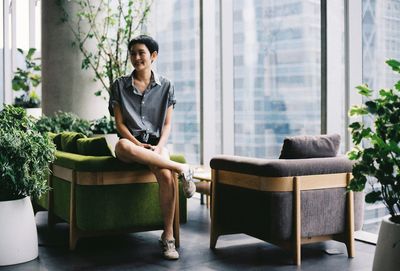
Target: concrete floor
x,y
140,251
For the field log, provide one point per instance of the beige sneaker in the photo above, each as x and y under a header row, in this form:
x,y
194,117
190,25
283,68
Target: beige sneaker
x,y
189,188
168,249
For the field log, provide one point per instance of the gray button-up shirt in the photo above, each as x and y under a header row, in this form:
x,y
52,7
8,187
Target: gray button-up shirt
x,y
143,113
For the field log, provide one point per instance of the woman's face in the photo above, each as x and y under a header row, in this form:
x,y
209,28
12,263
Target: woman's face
x,y
141,58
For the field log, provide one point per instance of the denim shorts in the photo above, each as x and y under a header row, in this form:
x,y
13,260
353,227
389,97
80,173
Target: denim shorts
x,y
152,140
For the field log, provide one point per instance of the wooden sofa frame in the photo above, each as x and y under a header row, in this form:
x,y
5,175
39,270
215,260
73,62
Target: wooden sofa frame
x,y
103,178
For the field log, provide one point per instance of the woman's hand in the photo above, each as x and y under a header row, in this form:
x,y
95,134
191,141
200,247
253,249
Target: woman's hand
x,y
157,149
146,146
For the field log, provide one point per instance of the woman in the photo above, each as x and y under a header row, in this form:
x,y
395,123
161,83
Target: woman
x,y
142,104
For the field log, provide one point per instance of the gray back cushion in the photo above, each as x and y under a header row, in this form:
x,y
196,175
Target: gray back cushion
x,y
299,147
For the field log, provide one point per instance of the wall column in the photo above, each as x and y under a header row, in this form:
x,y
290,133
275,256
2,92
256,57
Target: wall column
x,y
65,86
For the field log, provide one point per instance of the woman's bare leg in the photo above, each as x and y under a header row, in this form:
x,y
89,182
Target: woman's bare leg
x,y
167,196
128,152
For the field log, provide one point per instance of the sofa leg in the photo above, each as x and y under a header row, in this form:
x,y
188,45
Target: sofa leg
x,y
214,233
297,220
73,233
350,222
73,239
297,255
350,248
213,239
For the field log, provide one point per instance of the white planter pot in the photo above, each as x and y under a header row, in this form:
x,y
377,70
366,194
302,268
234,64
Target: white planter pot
x,y
18,234
387,253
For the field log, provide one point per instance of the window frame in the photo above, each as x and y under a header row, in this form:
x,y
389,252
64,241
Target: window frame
x,y
9,43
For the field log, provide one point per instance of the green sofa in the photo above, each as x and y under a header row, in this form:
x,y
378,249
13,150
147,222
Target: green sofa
x,y
98,194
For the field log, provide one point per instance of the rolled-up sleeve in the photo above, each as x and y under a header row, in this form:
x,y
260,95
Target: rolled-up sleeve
x,y
171,96
115,97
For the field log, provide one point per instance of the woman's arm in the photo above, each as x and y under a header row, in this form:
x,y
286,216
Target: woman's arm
x,y
165,130
123,130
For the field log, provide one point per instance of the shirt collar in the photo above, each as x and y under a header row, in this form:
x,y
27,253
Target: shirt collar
x,y
155,78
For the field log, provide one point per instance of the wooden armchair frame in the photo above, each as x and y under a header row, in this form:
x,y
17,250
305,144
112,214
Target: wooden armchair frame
x,y
294,184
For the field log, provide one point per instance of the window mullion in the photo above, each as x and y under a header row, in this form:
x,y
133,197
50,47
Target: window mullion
x,y
227,95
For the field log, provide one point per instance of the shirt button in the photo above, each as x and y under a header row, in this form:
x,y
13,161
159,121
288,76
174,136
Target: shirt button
x,y
142,102
142,117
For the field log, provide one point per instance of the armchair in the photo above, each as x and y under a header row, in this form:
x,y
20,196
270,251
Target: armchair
x,y
287,202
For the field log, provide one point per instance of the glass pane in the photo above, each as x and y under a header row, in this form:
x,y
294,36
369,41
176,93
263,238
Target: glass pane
x,y
175,25
381,40
218,116
22,24
38,38
276,73
336,110
38,27
1,55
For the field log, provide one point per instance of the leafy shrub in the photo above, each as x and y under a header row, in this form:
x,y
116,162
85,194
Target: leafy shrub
x,y
25,154
63,122
103,125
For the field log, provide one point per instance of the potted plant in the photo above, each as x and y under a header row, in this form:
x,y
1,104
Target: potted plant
x,y
24,157
377,155
105,127
27,80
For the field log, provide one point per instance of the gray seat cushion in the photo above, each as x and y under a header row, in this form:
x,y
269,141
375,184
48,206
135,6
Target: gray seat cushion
x,y
282,167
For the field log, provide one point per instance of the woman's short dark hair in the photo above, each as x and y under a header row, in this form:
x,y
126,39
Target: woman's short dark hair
x,y
150,43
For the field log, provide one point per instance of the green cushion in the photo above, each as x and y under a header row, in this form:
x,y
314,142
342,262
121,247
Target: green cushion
x,y
56,139
68,141
178,158
80,162
94,146
98,163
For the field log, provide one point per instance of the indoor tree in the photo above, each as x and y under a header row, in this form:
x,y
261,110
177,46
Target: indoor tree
x,y
110,25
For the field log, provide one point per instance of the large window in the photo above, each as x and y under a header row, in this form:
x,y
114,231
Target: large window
x,y
381,40
1,54
175,25
277,70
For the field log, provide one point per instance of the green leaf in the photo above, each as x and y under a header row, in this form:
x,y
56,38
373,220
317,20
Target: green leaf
x,y
394,64
354,154
358,111
373,197
385,93
357,184
372,106
397,85
355,125
30,53
364,90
